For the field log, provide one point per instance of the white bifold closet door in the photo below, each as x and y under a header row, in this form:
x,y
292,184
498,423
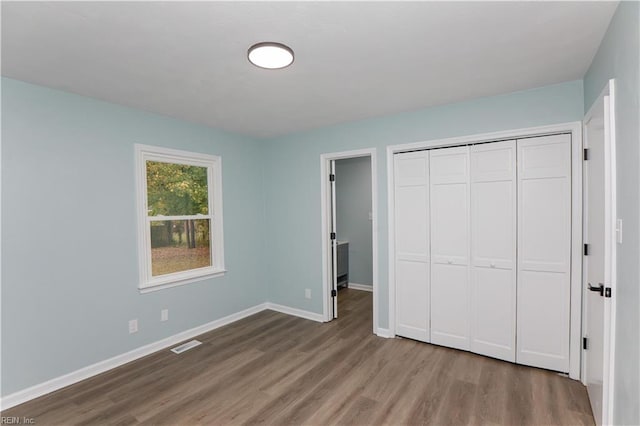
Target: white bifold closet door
x,y
483,248
544,251
450,292
493,249
412,244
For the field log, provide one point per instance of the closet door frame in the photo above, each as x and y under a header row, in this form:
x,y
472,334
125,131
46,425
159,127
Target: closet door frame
x,y
573,128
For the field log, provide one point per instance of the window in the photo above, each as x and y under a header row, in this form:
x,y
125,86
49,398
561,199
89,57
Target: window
x,y
179,217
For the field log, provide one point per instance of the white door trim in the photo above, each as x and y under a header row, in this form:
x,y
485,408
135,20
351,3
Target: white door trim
x,y
333,243
611,215
325,205
575,129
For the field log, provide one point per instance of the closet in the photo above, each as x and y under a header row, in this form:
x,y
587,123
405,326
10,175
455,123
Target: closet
x,y
482,248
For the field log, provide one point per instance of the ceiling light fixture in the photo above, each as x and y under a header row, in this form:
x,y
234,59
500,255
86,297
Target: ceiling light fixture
x,y
270,55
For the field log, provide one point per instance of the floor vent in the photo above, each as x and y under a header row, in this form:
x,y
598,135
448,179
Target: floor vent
x,y
186,346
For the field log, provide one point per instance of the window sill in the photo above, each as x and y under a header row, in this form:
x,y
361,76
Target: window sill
x,y
179,282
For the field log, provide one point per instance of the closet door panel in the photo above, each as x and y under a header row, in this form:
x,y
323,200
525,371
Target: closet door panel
x,y
450,305
412,244
546,222
493,249
450,247
412,296
493,221
450,165
493,310
543,325
449,210
411,221
544,251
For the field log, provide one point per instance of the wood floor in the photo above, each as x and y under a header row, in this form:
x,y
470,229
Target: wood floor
x,y
276,369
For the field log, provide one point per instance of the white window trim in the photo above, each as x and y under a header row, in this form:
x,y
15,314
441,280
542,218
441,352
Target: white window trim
x,y
213,163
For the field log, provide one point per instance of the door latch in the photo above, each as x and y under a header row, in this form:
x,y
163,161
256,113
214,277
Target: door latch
x,y
599,289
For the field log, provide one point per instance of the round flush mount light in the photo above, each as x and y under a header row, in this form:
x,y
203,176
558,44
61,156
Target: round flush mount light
x,y
270,55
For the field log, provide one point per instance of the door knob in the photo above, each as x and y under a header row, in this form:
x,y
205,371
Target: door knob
x,y
599,289
492,264
450,261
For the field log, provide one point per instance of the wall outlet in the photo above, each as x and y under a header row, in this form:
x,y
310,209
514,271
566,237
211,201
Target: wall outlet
x,y
164,315
370,215
307,293
133,326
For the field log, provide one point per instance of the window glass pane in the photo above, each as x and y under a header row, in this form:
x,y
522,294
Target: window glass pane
x,y
176,189
179,245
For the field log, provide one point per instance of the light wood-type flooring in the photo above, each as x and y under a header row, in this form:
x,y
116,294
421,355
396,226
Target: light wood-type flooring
x,y
277,369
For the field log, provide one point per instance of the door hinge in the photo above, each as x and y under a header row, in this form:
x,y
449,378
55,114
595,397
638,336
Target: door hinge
x,y
585,345
586,249
607,292
333,235
332,177
585,154
334,293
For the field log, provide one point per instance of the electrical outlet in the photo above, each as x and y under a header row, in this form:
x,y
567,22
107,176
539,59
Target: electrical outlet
x,y
164,315
370,215
307,293
133,326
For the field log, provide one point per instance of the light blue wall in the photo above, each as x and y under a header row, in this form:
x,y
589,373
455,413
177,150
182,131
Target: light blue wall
x,y
619,57
353,205
69,263
292,168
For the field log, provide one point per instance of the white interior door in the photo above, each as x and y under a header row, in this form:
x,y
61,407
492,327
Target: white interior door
x,y
598,264
594,263
411,177
544,251
493,249
333,240
449,208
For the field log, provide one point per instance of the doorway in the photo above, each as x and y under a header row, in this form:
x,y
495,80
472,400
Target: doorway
x,y
349,230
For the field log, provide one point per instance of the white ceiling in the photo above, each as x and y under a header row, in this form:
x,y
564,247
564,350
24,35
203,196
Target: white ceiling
x,y
354,60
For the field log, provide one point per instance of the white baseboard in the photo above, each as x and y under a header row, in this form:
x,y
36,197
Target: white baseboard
x,y
384,332
363,287
295,312
118,360
100,367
